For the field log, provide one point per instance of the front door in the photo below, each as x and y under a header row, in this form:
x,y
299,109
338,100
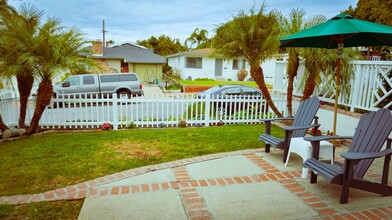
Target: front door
x,y
124,67
218,67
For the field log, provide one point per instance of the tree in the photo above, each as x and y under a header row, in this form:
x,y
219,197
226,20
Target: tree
x,y
319,62
293,24
16,33
5,11
378,11
163,45
254,36
198,38
55,48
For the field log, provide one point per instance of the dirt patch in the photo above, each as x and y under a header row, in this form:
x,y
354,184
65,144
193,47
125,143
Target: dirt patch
x,y
128,149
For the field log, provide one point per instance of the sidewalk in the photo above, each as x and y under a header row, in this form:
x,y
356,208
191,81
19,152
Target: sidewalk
x,y
247,184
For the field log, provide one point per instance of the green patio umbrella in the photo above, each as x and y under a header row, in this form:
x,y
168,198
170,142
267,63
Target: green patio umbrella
x,y
341,31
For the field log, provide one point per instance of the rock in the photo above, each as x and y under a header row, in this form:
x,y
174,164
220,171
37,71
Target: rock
x,y
9,133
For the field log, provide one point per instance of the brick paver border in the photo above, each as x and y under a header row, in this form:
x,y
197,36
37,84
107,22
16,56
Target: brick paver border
x,y
193,202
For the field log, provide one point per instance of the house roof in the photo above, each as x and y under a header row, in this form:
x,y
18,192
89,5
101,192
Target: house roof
x,y
199,53
131,53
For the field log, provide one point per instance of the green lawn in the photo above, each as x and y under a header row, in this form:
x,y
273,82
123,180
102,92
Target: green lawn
x,y
50,161
42,210
216,83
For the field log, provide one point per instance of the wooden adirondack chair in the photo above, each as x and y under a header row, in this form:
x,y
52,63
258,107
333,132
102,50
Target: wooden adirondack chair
x,y
302,122
370,136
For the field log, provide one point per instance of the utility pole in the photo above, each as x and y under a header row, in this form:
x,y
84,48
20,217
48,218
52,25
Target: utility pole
x,y
103,34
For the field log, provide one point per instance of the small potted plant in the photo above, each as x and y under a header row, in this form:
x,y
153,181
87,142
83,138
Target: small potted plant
x,y
106,126
220,123
182,123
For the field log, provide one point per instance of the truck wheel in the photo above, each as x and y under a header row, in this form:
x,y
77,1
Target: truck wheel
x,y
124,94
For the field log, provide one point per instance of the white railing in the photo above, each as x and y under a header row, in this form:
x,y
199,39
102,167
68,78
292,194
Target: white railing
x,y
366,89
146,111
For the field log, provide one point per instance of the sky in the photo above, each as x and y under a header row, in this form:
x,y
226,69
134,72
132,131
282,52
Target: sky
x,y
132,20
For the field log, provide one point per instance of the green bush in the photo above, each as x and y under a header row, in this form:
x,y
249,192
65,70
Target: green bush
x,y
174,87
204,79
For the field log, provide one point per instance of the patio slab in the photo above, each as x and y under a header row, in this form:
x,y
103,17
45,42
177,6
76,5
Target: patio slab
x,y
225,167
268,200
358,200
275,158
158,176
151,205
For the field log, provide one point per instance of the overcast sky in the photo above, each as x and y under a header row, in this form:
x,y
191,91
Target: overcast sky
x,y
132,20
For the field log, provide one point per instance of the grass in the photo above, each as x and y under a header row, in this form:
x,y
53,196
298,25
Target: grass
x,y
50,161
54,160
42,210
217,83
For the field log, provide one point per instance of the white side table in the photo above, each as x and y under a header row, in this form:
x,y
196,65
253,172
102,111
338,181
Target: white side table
x,y
304,149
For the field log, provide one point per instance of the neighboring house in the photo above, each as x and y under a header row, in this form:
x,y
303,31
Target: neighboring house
x,y
200,64
128,57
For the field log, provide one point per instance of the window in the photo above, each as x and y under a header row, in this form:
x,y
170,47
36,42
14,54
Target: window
x,y
233,91
251,91
239,64
73,81
106,79
127,77
194,62
88,80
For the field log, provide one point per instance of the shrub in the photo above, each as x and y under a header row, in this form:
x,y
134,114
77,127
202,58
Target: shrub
x,y
132,125
174,87
242,74
204,79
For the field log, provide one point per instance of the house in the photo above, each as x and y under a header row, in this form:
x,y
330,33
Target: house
x,y
201,64
128,57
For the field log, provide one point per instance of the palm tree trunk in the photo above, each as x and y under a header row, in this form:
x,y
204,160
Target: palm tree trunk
x,y
25,84
44,95
292,73
3,127
290,88
310,85
258,77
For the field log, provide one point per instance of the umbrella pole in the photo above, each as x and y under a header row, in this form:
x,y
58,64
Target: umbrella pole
x,y
335,115
335,110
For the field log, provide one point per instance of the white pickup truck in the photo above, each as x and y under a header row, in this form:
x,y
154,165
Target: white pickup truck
x,y
125,85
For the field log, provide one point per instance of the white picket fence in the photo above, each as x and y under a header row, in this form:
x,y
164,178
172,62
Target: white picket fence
x,y
366,86
145,111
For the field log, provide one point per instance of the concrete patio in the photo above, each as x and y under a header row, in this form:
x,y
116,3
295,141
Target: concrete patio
x,y
237,185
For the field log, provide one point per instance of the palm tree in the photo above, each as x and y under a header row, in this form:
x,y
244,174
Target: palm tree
x,y
320,67
197,37
5,8
55,48
293,24
17,33
254,36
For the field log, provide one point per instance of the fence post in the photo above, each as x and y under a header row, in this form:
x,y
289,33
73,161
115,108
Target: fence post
x,y
208,111
280,66
357,87
115,112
